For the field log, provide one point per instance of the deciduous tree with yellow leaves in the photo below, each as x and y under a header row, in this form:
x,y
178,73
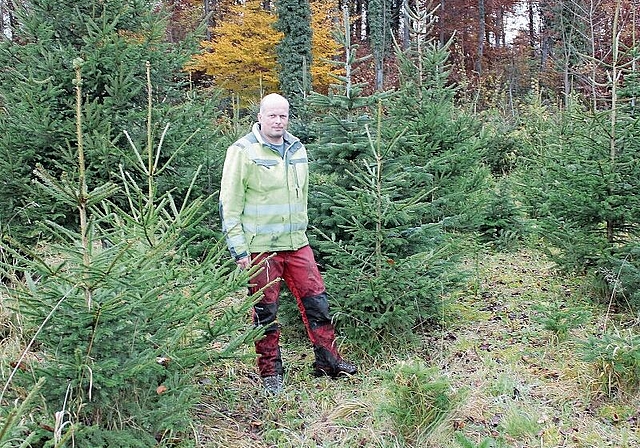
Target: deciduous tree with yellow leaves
x,y
240,58
324,46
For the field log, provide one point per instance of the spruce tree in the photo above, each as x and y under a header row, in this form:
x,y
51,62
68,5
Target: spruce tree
x,y
344,112
339,134
121,320
584,182
379,20
115,39
587,202
294,51
443,146
385,263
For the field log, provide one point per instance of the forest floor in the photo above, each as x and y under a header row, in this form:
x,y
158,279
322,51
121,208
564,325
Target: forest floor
x,y
511,379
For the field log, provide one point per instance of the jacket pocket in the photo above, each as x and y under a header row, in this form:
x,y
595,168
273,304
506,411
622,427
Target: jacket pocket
x,y
299,176
267,174
267,163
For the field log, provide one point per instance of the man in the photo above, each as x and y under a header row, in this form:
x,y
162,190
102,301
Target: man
x,y
263,206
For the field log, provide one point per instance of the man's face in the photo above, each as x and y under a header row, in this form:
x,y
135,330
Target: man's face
x,y
273,119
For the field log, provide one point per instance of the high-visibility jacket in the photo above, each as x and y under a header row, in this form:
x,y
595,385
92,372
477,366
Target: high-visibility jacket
x,y
263,195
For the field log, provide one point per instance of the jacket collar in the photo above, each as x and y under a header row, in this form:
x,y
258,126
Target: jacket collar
x,y
290,140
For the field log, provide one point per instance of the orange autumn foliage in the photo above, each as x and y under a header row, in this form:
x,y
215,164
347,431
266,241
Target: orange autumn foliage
x,y
323,46
240,58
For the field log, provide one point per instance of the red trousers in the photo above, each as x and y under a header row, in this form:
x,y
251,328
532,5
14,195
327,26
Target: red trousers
x,y
300,272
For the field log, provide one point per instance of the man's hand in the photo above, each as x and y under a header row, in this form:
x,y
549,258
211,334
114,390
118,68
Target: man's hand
x,y
244,262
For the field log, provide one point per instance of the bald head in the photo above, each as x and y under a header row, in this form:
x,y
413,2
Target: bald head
x,y
273,118
272,100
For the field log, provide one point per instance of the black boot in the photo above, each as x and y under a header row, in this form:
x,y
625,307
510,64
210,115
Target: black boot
x,y
327,364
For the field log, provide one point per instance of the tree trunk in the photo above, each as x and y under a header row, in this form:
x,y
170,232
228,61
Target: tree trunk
x,y
568,32
406,24
616,73
592,42
532,29
481,36
379,74
500,34
442,25
2,18
7,19
208,18
358,23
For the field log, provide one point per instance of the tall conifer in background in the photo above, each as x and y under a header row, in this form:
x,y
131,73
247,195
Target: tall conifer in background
x,y
294,51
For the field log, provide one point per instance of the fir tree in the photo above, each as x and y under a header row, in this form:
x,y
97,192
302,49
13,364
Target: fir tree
x,y
588,201
121,318
115,39
386,267
443,145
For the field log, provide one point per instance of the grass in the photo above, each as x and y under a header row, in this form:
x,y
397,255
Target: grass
x,y
492,374
512,380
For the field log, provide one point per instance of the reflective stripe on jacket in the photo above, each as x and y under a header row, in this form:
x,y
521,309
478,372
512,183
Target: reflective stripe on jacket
x,y
263,196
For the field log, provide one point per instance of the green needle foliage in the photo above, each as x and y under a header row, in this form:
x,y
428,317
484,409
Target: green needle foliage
x,y
114,38
582,184
294,51
121,320
386,258
464,442
559,318
344,113
501,221
442,146
387,267
13,430
615,358
587,201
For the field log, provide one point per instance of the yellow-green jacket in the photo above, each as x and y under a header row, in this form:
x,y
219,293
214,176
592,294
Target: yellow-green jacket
x,y
263,196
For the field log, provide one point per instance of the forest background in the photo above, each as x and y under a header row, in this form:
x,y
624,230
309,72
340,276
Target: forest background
x,y
440,133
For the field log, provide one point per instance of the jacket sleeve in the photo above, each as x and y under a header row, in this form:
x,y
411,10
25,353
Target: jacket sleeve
x,y
232,199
